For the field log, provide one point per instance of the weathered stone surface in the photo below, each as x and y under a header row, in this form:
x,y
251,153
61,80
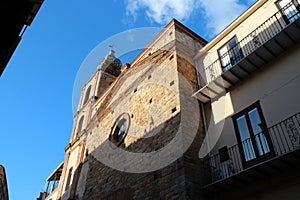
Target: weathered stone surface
x,y
155,92
3,184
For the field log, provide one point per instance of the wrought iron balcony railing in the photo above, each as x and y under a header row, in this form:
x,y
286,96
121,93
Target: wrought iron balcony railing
x,y
285,138
257,38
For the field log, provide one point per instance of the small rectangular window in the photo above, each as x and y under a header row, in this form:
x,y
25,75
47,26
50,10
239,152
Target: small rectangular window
x,y
224,155
173,109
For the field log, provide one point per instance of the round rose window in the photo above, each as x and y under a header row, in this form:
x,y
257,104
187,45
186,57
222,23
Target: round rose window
x,y
120,128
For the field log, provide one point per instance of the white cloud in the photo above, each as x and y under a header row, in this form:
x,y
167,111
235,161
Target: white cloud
x,y
219,13
162,11
216,13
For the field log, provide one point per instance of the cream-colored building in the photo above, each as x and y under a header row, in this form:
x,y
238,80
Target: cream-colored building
x,y
242,135
249,88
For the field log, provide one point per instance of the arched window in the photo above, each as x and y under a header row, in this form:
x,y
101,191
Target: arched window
x,y
79,126
69,179
87,95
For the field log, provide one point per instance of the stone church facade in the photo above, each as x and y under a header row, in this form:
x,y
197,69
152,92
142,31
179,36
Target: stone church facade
x,y
139,108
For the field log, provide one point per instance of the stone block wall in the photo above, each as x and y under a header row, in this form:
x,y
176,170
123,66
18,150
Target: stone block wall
x,y
3,184
151,95
158,157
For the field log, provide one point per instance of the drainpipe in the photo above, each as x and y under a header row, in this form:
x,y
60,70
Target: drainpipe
x,y
202,110
203,115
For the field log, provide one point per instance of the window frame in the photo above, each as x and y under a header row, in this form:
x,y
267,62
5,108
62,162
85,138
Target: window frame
x,y
69,177
258,158
112,136
87,95
79,126
287,19
233,59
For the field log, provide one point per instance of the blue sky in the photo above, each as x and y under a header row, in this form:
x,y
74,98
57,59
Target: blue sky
x,y
36,87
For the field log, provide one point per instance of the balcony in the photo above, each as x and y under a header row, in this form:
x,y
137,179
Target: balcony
x,y
228,169
52,183
261,46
